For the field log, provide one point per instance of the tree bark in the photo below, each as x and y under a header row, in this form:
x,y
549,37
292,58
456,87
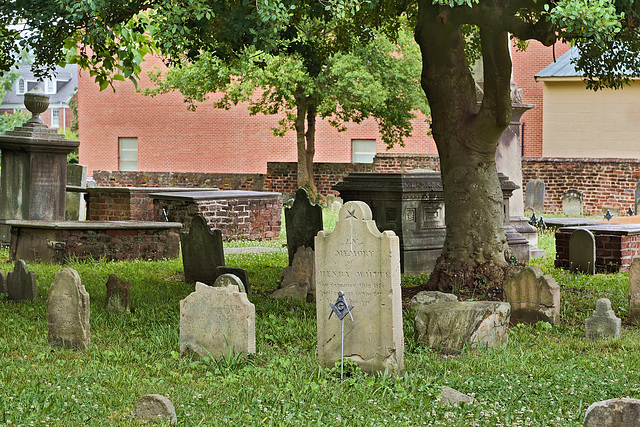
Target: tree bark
x,y
466,136
305,139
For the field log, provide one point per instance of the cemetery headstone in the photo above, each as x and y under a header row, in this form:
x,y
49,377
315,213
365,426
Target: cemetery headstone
x,y
364,263
533,296
572,203
21,283
202,251
229,279
118,295
297,281
634,290
303,220
430,297
453,396
216,321
3,282
68,311
623,412
449,326
603,323
582,252
534,197
236,271
155,408
74,206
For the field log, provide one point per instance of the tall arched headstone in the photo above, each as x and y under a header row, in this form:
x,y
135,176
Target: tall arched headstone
x,y
302,220
202,252
582,252
572,203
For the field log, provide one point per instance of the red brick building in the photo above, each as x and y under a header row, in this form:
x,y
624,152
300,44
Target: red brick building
x,y
124,130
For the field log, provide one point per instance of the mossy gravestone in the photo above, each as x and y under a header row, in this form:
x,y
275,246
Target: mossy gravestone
x,y
118,295
155,408
3,283
364,263
582,252
634,290
603,323
533,296
202,252
302,220
68,311
21,283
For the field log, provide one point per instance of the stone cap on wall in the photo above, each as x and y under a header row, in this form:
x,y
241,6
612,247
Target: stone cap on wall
x,y
138,189
617,229
213,195
89,225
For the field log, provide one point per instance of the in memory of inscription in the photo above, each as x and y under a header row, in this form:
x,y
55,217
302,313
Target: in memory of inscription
x,y
341,308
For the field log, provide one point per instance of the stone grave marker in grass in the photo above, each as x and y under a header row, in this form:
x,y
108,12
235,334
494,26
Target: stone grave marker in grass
x,y
118,295
68,311
582,252
202,252
3,282
155,408
634,290
21,283
534,196
303,220
297,280
622,412
572,203
217,321
364,263
229,279
533,296
603,323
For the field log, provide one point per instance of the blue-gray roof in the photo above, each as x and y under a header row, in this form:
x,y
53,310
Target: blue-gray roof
x,y
563,67
66,83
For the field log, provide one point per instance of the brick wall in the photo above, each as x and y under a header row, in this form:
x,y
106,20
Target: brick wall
x,y
282,176
223,181
604,183
118,206
255,218
614,252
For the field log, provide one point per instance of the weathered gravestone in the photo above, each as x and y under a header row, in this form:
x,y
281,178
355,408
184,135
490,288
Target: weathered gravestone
x,y
430,297
603,323
68,311
572,203
634,290
21,283
118,295
623,412
452,396
364,263
3,283
533,296
229,279
215,322
297,281
74,206
582,252
155,408
534,197
202,251
238,272
303,220
449,326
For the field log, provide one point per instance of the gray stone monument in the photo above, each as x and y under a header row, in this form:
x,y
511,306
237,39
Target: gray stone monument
x,y
634,290
68,311
303,220
217,321
118,295
155,408
582,251
533,296
202,252
364,263
3,282
572,203
534,197
229,279
603,323
34,168
623,412
298,280
75,209
21,283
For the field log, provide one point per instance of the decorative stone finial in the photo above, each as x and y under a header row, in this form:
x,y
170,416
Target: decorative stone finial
x,y
36,102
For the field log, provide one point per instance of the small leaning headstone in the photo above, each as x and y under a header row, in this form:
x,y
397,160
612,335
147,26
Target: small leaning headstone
x,y
155,408
302,220
217,321
603,323
21,283
297,281
68,311
118,295
364,263
634,290
624,412
3,283
202,252
533,296
582,251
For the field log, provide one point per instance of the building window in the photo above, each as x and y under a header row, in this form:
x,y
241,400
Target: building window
x,y
50,86
128,154
21,86
55,118
363,150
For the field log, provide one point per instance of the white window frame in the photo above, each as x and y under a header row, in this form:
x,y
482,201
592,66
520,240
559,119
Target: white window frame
x,y
363,150
128,153
21,86
55,118
50,86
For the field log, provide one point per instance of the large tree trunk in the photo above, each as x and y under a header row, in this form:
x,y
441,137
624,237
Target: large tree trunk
x,y
466,137
306,113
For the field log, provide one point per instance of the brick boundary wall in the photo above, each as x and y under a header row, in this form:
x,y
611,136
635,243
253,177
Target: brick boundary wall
x,y
604,183
111,206
255,218
223,181
614,252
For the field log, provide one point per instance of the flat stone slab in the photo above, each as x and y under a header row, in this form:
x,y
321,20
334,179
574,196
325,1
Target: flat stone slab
x,y
90,225
212,195
570,222
621,229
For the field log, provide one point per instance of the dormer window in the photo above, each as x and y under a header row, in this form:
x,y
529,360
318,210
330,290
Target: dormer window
x,y
21,87
50,86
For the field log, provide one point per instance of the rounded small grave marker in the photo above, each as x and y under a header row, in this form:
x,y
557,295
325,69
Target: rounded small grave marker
x,y
155,407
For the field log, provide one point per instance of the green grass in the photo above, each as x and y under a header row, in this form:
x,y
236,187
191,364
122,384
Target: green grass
x,y
546,375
